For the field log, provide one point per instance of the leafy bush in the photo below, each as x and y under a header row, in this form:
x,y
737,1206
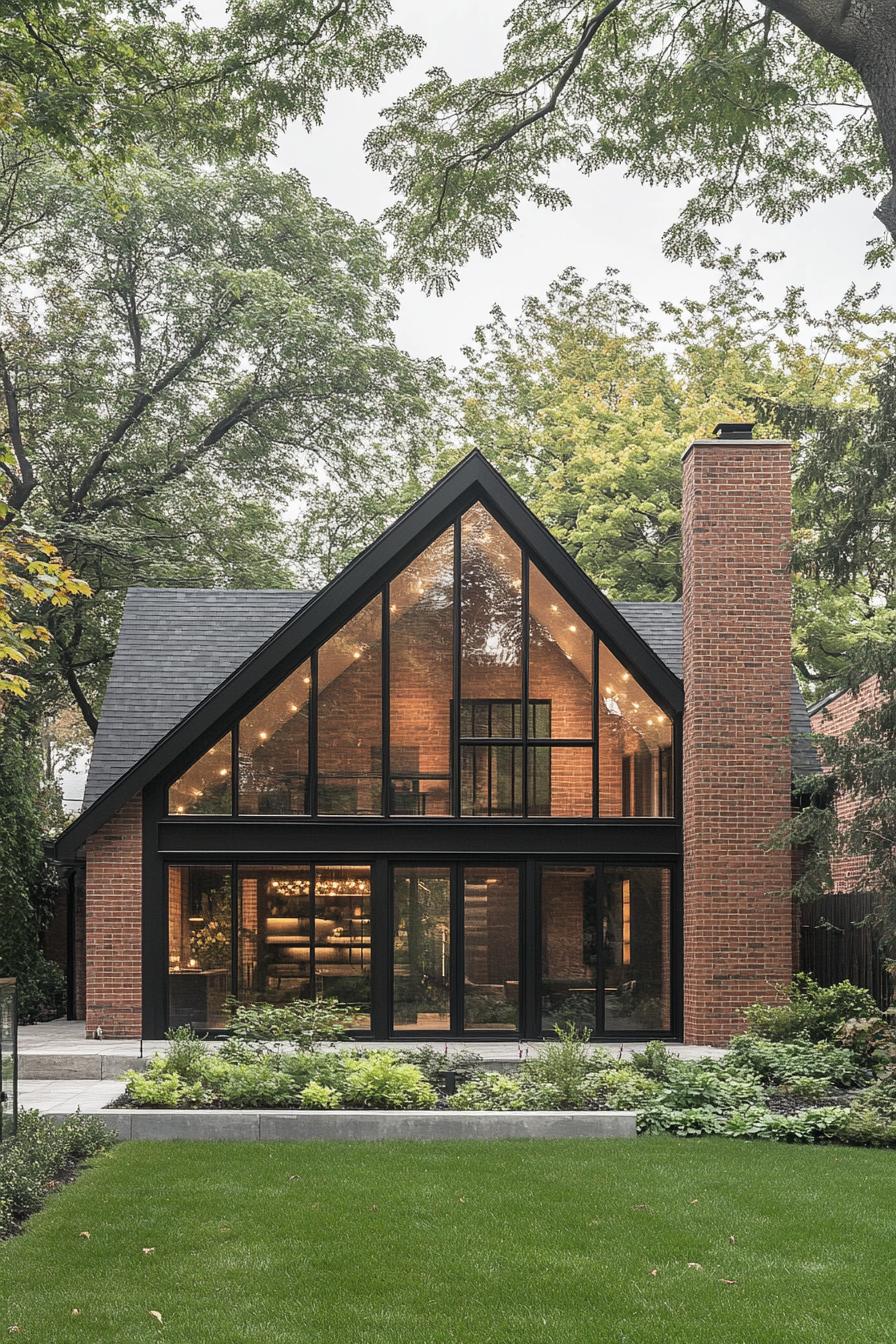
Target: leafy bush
x,y
380,1079
319,1097
623,1088
489,1092
41,990
564,1065
686,1122
40,1153
655,1060
810,1010
308,1066
784,1061
872,1039
160,1086
186,1053
434,1064
302,1023
247,1085
880,1096
700,1085
803,1089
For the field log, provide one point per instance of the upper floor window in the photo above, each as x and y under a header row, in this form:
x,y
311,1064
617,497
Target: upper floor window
x,y
467,686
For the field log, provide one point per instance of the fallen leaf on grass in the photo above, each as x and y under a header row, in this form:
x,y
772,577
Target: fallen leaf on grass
x,y
374,1208
653,1273
157,1316
693,1201
639,1207
692,1264
15,1330
728,1280
149,1250
76,1311
85,1235
733,1241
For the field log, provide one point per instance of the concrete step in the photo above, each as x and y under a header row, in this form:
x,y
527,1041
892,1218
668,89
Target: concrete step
x,y
50,1068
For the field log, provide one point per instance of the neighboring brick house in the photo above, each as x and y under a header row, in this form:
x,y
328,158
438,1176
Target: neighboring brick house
x,y
458,788
834,716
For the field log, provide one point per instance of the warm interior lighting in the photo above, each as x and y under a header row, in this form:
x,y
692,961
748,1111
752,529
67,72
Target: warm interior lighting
x,y
222,771
573,629
263,736
626,921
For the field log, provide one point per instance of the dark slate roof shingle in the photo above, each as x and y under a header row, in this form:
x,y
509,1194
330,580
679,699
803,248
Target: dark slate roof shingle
x,y
177,645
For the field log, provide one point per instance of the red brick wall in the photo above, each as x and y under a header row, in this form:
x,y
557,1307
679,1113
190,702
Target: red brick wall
x,y
736,769
113,924
835,719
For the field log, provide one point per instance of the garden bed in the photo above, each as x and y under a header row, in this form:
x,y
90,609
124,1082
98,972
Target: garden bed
x,y
818,1066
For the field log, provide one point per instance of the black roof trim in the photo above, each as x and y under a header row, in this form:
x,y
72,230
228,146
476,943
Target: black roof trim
x,y
472,480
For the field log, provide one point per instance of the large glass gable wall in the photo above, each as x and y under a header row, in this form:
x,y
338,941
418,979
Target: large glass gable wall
x,y
469,687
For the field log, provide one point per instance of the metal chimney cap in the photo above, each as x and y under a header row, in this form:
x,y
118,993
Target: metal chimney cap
x,y
729,430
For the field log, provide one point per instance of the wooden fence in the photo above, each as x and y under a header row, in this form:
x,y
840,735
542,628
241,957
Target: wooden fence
x,y
838,942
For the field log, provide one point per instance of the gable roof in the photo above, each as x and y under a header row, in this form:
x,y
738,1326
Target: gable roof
x,y
185,655
175,646
472,480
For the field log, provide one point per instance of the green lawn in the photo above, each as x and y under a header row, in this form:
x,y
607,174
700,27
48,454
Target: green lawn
x,y
415,1243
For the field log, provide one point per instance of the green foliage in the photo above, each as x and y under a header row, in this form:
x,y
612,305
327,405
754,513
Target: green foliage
x,y
434,1064
302,1023
810,1010
319,1097
89,81
38,1155
655,1060
804,1089
186,1053
489,1092
209,347
758,108
27,882
378,1078
586,403
624,1089
783,1062
159,1086
563,1065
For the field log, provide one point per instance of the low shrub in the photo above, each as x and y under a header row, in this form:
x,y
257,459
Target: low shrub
x,y
785,1061
686,1122
623,1088
160,1086
247,1086
435,1064
655,1060
302,1023
564,1065
810,1010
489,1092
871,1039
379,1079
41,1154
319,1097
186,1053
803,1090
698,1085
41,991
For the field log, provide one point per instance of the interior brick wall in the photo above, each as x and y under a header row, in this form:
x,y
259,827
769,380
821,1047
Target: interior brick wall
x,y
113,999
835,720
736,529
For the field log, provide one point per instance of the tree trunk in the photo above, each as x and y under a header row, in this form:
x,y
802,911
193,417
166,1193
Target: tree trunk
x,y
862,33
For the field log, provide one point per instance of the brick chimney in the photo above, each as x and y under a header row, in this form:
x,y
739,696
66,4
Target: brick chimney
x,y
736,533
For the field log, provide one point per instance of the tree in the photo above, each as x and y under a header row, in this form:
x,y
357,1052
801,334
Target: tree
x,y
587,404
88,82
26,889
182,367
767,106
32,574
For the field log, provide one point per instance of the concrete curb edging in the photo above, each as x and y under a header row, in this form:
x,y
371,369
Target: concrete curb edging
x,y
268,1126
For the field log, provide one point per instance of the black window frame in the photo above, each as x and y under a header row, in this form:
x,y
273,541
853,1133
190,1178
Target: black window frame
x,y
388,779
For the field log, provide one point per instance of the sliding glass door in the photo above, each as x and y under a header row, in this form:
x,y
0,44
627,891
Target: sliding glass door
x,y
606,947
455,948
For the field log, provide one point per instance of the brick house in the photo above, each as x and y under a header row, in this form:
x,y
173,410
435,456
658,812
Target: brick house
x,y
458,788
834,716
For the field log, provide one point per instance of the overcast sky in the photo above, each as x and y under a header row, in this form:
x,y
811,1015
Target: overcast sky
x,y
612,222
